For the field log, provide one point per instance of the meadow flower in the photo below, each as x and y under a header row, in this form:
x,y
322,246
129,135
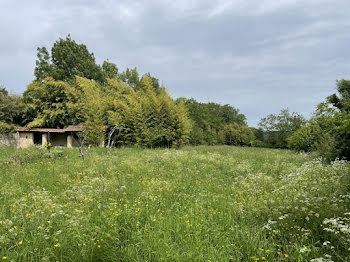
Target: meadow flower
x,y
304,249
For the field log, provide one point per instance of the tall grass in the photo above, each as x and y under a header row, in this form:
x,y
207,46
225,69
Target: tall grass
x,y
193,204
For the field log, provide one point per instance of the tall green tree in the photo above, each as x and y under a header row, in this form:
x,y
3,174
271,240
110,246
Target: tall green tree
x,y
110,70
278,127
48,102
209,118
67,60
146,117
342,99
155,81
12,111
93,108
43,65
12,107
236,135
131,78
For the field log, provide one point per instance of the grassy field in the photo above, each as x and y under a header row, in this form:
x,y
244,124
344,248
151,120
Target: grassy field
x,y
194,204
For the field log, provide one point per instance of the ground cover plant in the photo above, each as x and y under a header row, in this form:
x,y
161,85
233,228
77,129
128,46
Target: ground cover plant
x,y
192,204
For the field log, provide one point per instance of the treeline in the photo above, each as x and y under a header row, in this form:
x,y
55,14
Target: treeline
x,y
13,111
325,135
217,124
70,89
328,132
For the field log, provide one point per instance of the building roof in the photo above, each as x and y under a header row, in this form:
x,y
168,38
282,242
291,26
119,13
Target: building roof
x,y
77,128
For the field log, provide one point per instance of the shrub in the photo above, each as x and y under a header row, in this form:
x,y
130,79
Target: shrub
x,y
6,128
237,135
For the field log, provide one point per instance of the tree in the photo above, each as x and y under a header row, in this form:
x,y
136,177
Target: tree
x,y
236,135
44,67
155,81
110,70
340,117
149,118
278,127
208,119
341,101
93,109
6,128
13,110
70,88
68,59
48,100
231,115
131,78
333,117
305,137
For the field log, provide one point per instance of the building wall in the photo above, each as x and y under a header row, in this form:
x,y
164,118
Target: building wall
x,y
9,139
26,139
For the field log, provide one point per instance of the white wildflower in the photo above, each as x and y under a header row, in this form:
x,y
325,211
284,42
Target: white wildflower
x,y
326,243
304,249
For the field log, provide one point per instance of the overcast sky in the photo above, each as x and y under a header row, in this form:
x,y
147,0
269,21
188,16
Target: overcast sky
x,y
256,55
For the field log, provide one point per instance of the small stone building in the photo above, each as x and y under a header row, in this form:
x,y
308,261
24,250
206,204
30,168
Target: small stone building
x,y
67,137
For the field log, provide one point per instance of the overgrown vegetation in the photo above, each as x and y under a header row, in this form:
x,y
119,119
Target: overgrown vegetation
x,y
211,122
12,111
328,132
71,88
190,204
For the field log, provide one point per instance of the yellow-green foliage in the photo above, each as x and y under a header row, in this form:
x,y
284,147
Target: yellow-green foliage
x,y
6,128
146,116
93,108
191,204
150,118
237,135
47,100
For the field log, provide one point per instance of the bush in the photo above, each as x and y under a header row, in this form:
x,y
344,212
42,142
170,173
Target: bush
x,y
236,135
302,139
312,138
6,128
259,143
325,147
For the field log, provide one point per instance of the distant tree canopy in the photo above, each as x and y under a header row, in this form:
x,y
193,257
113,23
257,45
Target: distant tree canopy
x,y
67,60
278,127
12,111
71,88
109,69
148,117
328,131
342,100
236,135
209,119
